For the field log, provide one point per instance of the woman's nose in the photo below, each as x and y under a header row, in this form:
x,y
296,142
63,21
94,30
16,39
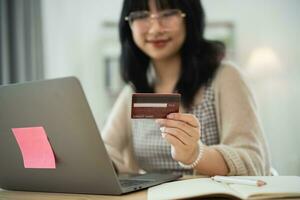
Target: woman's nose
x,y
155,26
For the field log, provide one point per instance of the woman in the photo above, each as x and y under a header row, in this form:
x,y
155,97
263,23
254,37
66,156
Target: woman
x,y
216,131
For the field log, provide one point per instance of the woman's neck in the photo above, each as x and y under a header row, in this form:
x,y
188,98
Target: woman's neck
x,y
167,72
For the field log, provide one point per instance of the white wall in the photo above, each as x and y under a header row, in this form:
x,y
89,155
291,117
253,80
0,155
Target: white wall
x,y
75,43
274,24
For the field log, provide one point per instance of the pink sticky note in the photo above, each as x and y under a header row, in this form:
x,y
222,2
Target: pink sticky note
x,y
35,147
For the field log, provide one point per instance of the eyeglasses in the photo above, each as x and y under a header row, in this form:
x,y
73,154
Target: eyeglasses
x,y
141,20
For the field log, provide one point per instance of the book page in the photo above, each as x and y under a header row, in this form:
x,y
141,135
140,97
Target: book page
x,y
190,188
277,187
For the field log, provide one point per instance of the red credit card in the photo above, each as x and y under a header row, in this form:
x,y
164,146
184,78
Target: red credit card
x,y
154,105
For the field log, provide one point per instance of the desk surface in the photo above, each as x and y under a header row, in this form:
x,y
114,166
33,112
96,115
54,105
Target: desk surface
x,y
20,195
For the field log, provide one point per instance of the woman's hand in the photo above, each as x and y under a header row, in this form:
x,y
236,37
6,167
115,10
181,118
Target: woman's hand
x,y
182,131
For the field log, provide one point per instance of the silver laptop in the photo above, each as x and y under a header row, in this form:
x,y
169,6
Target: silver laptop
x,y
82,162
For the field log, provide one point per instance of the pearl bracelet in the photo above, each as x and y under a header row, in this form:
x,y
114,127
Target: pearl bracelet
x,y
195,163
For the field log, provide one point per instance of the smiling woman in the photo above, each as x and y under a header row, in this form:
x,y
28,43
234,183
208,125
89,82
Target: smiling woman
x,y
75,44
169,20
216,131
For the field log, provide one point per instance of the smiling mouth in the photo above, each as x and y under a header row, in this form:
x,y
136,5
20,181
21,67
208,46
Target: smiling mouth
x,y
159,43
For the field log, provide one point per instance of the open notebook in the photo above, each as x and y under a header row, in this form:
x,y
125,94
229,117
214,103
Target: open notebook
x,y
277,187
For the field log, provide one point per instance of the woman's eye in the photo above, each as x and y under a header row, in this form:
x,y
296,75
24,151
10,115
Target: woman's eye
x,y
169,13
140,16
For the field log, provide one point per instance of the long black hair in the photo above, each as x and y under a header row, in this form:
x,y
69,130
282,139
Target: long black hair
x,y
200,58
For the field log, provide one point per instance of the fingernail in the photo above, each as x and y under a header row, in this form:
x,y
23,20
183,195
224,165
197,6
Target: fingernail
x,y
158,121
162,129
163,135
170,116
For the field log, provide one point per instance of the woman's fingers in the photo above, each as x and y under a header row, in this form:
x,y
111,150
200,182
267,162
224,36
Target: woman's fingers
x,y
187,118
176,124
173,140
180,151
179,134
184,127
182,131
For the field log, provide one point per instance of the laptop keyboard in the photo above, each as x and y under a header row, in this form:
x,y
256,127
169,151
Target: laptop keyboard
x,y
128,182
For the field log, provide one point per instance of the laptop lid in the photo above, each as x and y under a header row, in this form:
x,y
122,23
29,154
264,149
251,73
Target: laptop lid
x,y
58,106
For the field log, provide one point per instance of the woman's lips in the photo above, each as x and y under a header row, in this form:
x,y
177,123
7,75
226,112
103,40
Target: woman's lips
x,y
159,43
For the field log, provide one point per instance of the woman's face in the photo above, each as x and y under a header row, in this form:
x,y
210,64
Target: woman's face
x,y
159,34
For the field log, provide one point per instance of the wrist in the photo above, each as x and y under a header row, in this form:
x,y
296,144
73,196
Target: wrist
x,y
195,159
193,156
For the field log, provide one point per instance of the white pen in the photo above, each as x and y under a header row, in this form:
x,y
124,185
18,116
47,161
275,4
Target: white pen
x,y
238,180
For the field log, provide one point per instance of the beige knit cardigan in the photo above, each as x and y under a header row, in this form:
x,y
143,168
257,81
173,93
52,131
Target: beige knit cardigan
x,y
242,143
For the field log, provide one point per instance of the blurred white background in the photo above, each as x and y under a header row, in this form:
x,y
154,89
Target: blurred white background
x,y
78,37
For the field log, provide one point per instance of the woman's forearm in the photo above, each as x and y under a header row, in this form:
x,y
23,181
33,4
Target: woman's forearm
x,y
212,163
